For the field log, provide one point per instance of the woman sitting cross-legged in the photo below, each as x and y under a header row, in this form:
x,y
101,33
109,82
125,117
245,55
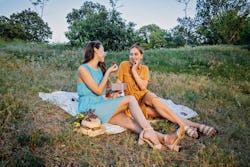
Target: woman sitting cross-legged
x,y
91,85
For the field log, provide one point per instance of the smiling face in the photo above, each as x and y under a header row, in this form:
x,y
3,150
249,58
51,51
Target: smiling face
x,y
100,53
135,55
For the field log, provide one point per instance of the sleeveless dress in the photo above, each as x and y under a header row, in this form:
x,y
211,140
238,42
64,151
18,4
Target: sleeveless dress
x,y
104,108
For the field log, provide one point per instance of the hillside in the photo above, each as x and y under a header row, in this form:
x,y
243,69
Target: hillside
x,y
212,80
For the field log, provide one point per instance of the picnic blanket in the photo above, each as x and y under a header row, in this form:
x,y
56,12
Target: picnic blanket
x,y
68,102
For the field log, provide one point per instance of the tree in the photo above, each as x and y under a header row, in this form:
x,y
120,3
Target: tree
x,y
186,2
185,22
152,36
245,34
42,4
9,30
87,23
227,27
27,26
187,31
93,21
5,28
214,19
177,38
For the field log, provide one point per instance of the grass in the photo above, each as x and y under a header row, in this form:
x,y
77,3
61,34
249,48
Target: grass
x,y
213,80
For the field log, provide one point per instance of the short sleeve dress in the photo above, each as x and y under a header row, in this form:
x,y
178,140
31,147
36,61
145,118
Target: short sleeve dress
x,y
87,99
124,74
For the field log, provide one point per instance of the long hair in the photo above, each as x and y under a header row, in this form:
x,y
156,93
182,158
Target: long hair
x,y
89,54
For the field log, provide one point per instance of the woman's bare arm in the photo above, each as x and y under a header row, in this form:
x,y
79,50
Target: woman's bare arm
x,y
85,77
140,82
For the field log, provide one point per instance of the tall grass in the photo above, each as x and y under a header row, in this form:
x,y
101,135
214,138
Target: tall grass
x,y
213,80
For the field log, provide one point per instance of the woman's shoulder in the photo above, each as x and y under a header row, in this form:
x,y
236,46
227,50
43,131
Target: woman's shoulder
x,y
125,63
83,67
144,66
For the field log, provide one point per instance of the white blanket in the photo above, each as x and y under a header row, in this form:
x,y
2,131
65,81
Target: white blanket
x,y
68,102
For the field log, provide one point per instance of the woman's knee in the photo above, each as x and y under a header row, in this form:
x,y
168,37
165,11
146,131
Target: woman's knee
x,y
131,99
150,98
126,101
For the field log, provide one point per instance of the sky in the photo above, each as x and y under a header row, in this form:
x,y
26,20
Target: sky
x,y
163,13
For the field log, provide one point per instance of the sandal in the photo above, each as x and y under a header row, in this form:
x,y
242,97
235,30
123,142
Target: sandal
x,y
180,135
208,130
142,140
191,132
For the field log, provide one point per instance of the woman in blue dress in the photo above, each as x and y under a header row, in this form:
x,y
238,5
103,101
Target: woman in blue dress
x,y
91,85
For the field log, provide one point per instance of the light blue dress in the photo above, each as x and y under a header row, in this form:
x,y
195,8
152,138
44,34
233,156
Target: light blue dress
x,y
104,108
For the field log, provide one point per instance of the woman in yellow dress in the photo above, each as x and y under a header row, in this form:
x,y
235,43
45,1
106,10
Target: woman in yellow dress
x,y
136,76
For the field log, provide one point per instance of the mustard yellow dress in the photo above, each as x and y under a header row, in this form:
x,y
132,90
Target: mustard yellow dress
x,y
124,74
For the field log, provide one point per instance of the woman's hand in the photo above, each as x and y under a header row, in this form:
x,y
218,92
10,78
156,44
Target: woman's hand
x,y
113,68
135,65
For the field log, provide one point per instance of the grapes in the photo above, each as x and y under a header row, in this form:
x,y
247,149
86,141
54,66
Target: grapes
x,y
90,115
87,116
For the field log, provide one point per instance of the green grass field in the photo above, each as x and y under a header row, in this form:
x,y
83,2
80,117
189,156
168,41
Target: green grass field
x,y
212,80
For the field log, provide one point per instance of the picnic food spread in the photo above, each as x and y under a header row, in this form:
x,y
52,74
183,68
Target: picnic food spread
x,y
89,124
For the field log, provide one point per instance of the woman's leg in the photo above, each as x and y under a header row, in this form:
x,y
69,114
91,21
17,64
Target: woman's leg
x,y
129,102
127,122
147,133
152,113
164,111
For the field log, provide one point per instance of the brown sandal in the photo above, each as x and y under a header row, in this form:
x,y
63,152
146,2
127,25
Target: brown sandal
x,y
180,135
208,130
191,132
142,140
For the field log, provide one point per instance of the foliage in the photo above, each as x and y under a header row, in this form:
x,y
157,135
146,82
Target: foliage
x,y
221,21
245,34
187,31
93,21
152,36
185,2
216,22
227,27
42,4
26,25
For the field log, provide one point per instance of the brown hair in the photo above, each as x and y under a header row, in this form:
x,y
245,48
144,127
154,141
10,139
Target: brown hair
x,y
137,46
89,54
